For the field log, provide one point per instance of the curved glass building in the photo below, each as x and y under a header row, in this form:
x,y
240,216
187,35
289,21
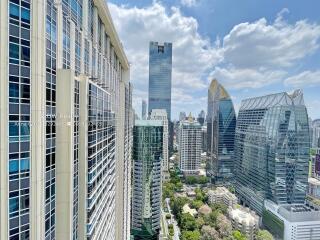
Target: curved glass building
x,y
146,194
272,145
221,124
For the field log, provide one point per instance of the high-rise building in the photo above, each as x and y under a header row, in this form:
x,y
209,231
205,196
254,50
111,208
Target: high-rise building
x,y
146,194
182,116
272,146
160,71
190,146
144,110
160,82
315,133
161,114
201,117
64,75
221,124
204,138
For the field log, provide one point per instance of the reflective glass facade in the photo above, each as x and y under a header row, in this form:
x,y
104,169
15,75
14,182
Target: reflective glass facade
x,y
146,198
19,158
221,124
272,150
101,163
160,71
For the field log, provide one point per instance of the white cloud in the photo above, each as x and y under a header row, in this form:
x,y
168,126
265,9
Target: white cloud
x,y
260,44
193,54
304,79
189,3
259,54
238,78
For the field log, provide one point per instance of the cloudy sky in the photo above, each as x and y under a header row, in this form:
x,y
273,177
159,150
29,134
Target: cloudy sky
x,y
252,47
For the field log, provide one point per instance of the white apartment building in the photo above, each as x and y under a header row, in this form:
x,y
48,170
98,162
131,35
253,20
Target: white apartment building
x,y
299,222
222,195
244,220
161,114
190,141
64,124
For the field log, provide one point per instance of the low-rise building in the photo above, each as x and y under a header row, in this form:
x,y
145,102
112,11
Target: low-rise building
x,y
222,195
244,220
186,209
292,221
314,187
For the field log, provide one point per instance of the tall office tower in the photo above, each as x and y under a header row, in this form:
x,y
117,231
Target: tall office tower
x,y
221,124
272,146
190,138
182,116
160,74
316,133
201,117
146,194
161,114
160,71
204,138
60,108
144,110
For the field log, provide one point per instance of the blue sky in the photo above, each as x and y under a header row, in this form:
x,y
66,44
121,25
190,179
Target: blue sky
x,y
252,47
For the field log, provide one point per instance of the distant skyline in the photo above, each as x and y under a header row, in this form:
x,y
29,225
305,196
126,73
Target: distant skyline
x,y
253,50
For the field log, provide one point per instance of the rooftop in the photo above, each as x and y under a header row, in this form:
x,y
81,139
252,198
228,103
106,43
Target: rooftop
x,y
148,123
278,99
244,216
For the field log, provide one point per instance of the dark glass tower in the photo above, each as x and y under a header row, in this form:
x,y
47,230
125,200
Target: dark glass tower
x,y
221,124
272,150
160,71
146,195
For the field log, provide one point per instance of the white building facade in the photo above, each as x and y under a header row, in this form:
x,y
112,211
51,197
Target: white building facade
x,y
299,221
190,139
62,120
161,114
222,195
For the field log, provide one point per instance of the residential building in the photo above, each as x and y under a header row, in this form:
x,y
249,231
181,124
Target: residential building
x,y
222,195
204,138
221,124
316,133
64,76
144,110
272,147
146,177
291,221
244,220
189,146
161,114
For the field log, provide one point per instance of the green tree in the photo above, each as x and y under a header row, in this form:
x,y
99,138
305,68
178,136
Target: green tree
x,y
196,204
177,205
190,235
209,233
237,235
224,226
220,207
264,235
191,180
211,219
203,180
188,222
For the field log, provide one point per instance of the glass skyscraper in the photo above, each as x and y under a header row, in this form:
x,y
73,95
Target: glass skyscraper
x,y
221,124
160,71
272,145
146,195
